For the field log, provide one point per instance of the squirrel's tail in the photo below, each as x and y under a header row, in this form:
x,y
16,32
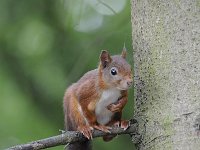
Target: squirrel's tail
x,y
70,125
86,145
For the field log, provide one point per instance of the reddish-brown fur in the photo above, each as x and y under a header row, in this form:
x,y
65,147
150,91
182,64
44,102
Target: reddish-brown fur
x,y
81,98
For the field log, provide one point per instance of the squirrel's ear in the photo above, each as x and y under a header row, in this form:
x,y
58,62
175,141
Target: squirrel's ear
x,y
124,52
105,58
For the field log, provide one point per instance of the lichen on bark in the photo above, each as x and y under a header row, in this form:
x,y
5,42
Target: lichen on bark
x,y
166,37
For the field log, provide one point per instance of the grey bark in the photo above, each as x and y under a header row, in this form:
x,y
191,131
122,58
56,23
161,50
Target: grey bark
x,y
166,43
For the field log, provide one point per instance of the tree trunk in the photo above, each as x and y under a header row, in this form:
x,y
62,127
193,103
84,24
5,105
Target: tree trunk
x,y
166,43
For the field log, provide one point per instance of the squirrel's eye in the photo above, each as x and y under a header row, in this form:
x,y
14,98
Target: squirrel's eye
x,y
113,71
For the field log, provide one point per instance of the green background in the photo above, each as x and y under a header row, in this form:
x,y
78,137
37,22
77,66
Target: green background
x,y
43,49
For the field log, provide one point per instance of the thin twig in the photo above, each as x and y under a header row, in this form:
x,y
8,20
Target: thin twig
x,y
70,137
107,6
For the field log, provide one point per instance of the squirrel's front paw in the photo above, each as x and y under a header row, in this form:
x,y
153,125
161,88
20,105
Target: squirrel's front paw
x,y
86,131
114,107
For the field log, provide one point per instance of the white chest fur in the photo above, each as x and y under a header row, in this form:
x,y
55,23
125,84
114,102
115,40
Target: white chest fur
x,y
108,96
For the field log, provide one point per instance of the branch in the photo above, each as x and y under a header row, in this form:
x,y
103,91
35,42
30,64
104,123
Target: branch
x,y
70,137
107,6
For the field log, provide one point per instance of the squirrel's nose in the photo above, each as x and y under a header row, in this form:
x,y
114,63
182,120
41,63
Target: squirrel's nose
x,y
130,83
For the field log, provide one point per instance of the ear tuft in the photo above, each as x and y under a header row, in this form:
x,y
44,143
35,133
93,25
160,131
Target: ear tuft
x,y
105,58
124,52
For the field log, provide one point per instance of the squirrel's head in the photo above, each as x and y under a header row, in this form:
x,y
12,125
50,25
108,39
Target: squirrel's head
x,y
116,72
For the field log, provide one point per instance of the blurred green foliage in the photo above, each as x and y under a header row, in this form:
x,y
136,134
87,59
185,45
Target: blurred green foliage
x,y
45,45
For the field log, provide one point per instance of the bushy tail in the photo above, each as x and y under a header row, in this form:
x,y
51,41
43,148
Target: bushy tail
x,y
84,145
70,125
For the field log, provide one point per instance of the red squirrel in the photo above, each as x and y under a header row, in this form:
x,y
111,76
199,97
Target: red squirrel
x,y
97,99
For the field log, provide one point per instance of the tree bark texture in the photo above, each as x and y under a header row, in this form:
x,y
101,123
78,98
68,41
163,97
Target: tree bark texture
x,y
166,43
